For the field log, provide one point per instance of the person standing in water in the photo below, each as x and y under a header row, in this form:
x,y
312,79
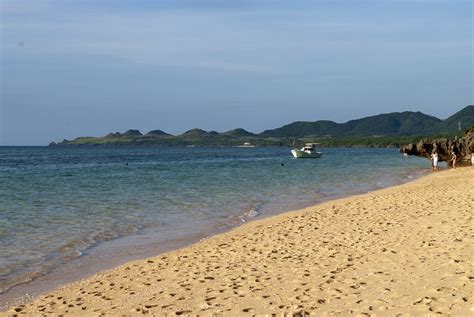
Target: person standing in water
x,y
434,161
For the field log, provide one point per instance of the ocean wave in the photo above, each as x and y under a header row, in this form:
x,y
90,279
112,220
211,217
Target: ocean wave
x,y
250,214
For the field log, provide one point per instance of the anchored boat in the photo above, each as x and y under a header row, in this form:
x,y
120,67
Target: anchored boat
x,y
308,151
246,144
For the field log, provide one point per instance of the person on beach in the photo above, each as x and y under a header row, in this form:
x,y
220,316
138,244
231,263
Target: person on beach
x,y
472,158
434,161
453,159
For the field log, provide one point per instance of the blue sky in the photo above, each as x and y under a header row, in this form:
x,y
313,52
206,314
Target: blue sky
x,y
75,68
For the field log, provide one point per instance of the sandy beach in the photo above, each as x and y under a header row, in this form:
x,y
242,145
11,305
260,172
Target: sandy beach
x,y
404,250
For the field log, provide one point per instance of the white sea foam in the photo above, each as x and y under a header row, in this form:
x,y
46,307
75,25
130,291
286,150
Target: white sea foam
x,y
249,214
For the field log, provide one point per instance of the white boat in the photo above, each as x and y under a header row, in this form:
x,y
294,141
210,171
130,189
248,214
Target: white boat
x,y
246,144
308,151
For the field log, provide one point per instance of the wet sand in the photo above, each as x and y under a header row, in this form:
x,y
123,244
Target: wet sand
x,y
404,250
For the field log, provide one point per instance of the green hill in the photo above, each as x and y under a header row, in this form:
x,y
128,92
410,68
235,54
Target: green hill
x,y
157,133
194,133
390,124
238,133
397,123
133,133
303,128
464,116
389,129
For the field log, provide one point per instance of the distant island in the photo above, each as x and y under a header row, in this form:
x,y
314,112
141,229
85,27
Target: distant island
x,y
383,130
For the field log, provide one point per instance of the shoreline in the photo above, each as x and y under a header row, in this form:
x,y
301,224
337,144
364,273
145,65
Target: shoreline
x,y
99,258
177,256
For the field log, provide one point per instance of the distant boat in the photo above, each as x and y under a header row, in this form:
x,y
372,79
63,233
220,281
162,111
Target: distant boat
x,y
246,144
308,151
192,145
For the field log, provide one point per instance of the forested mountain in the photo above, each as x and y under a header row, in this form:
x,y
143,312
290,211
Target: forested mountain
x,y
390,124
369,131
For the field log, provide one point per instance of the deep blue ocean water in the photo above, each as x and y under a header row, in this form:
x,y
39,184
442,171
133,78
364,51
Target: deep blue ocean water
x,y
58,204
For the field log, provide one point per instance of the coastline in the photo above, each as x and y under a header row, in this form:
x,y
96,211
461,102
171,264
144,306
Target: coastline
x,y
234,269
107,254
113,253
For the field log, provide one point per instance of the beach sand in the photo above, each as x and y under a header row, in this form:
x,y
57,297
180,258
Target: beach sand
x,y
403,250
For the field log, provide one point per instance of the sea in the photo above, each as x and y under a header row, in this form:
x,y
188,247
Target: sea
x,y
66,213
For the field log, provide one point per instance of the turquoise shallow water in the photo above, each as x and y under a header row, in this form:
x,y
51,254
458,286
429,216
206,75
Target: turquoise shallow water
x,y
58,204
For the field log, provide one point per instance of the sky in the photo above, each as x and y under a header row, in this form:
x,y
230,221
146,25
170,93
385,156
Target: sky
x,y
86,68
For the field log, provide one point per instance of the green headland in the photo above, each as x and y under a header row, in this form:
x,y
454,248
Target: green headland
x,y
383,130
